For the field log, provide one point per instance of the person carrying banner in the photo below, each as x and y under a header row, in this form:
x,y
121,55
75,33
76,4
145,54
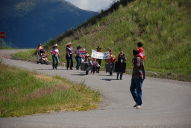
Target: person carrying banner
x,y
69,58
55,53
98,49
120,65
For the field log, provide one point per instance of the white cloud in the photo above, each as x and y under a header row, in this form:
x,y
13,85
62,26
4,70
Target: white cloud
x,y
93,5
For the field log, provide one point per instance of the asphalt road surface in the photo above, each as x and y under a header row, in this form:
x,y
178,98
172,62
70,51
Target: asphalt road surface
x,y
166,103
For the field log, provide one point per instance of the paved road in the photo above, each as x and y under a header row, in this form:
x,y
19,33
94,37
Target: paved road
x,y
167,103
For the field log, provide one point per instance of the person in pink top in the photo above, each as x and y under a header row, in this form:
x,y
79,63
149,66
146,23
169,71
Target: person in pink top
x,y
55,54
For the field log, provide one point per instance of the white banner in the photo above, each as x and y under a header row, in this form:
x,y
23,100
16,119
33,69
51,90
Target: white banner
x,y
100,55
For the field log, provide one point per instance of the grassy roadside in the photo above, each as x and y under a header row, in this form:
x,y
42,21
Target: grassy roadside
x,y
28,55
24,93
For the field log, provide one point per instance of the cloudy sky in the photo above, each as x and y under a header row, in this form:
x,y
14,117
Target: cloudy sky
x,y
93,5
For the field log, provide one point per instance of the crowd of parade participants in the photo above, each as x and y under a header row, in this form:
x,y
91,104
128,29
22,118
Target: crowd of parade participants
x,y
85,62
88,64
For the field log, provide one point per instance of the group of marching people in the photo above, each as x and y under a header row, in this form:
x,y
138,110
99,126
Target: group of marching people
x,y
86,63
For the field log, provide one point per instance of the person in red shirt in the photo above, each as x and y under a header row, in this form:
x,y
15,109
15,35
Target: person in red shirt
x,y
141,50
110,63
111,57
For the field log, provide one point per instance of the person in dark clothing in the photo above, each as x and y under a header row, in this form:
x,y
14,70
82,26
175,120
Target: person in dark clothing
x,y
69,58
138,77
98,60
120,65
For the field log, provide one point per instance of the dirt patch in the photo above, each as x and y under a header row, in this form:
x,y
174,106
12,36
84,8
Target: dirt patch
x,y
3,98
44,91
48,78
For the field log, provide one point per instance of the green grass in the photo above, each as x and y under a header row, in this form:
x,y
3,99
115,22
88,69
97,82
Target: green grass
x,y
24,93
28,55
163,26
4,45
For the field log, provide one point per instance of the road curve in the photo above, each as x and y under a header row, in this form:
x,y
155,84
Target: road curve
x,y
166,102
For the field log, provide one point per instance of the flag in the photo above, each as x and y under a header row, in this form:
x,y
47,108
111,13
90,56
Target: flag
x,y
2,35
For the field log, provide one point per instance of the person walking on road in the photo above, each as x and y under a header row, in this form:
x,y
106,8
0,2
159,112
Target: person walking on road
x,y
55,54
69,58
98,49
138,77
120,65
78,57
110,62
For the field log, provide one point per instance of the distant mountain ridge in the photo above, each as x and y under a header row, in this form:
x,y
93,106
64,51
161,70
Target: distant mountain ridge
x,y
29,22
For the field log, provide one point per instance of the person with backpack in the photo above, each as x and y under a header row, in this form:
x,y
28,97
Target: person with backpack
x,y
138,76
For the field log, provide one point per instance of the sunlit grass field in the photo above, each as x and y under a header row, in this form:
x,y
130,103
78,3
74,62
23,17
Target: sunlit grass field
x,y
24,93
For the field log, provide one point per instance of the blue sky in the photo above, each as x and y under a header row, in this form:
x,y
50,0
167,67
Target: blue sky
x,y
93,5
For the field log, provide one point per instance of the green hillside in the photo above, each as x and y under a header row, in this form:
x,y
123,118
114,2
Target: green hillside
x,y
163,25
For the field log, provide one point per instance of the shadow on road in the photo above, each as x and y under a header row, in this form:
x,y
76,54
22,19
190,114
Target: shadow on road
x,y
108,79
79,74
104,75
50,69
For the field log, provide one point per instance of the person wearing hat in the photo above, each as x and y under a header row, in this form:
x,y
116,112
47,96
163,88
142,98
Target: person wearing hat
x,y
69,58
55,53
